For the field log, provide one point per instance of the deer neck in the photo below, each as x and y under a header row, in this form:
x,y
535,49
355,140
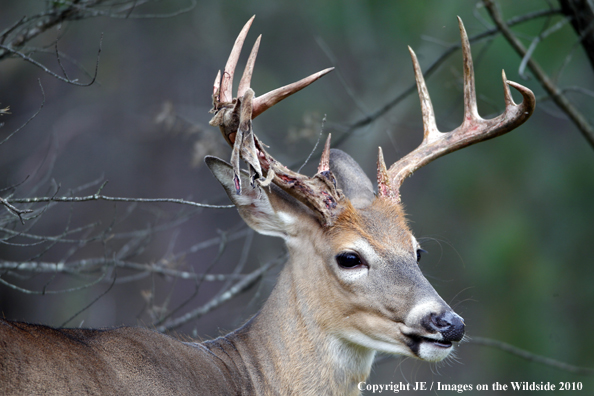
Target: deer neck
x,y
286,344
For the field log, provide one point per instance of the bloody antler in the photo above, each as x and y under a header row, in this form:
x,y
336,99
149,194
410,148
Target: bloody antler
x,y
474,129
234,118
223,87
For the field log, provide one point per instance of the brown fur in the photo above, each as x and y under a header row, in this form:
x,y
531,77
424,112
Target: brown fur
x,y
379,224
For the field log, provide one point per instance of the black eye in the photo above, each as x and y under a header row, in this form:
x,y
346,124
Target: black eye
x,y
419,251
349,260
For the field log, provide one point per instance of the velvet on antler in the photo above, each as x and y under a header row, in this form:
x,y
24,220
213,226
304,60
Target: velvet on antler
x,y
234,118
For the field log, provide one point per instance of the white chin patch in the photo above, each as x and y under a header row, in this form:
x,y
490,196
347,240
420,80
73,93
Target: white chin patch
x,y
431,352
385,345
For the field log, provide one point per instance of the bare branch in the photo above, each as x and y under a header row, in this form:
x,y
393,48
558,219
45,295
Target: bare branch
x,y
16,211
561,100
530,356
247,245
91,265
125,12
95,264
239,287
62,291
535,43
29,27
60,56
51,73
44,238
99,197
199,281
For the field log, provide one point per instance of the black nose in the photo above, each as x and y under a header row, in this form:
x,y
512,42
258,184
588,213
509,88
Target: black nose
x,y
450,325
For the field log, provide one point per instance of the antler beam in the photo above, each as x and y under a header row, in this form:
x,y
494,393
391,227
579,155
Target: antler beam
x,y
474,129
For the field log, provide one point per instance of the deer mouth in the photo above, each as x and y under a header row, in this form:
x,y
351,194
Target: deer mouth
x,y
418,339
429,347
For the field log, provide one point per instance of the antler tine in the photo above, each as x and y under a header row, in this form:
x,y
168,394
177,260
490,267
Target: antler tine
x,y
217,85
227,81
509,101
528,99
470,109
324,165
269,99
246,78
473,129
383,177
430,131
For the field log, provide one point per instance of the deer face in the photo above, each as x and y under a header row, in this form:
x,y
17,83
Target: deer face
x,y
364,270
385,302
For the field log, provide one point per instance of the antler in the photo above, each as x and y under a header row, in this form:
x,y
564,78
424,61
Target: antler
x,y
474,129
223,86
234,118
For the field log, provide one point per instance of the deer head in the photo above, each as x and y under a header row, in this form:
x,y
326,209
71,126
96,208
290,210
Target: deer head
x,y
351,287
352,280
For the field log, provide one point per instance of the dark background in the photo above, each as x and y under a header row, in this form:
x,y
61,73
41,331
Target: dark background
x,y
508,223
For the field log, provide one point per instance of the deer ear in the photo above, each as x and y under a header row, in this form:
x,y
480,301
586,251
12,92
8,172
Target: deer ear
x,y
351,179
269,211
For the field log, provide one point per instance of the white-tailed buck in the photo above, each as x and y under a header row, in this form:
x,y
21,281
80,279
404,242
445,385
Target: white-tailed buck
x,y
351,287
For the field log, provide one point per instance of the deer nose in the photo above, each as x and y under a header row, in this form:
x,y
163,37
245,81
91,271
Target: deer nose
x,y
448,324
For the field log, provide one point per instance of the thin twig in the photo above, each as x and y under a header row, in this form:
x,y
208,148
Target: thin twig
x,y
152,16
530,356
94,264
45,69
199,281
535,43
92,302
247,245
44,291
15,210
315,146
62,56
29,27
210,242
99,197
350,92
239,287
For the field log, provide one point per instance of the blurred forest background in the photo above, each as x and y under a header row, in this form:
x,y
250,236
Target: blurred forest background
x,y
508,223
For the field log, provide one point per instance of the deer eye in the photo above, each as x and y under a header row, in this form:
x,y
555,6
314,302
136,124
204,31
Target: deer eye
x,y
419,251
349,260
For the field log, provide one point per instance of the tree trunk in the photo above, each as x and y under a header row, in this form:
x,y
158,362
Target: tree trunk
x,y
581,13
